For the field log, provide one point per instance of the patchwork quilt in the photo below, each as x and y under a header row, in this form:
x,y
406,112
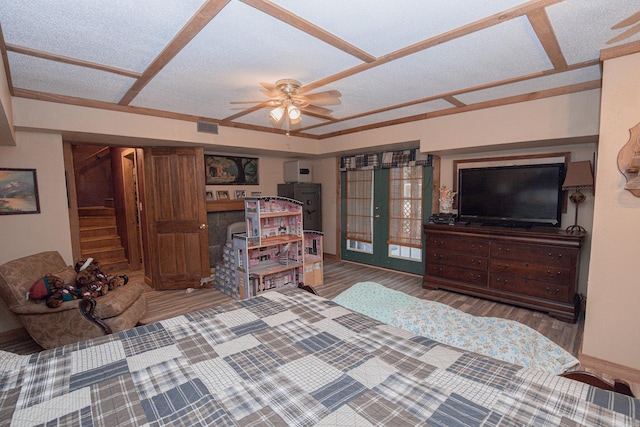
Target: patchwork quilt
x,y
288,357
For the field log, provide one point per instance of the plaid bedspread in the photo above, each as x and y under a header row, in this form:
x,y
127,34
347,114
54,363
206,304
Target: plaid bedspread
x,y
288,358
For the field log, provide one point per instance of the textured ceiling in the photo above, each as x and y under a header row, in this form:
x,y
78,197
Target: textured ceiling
x,y
392,61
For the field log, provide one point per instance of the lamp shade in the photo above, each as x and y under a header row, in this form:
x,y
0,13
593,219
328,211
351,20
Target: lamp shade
x,y
276,113
294,112
579,176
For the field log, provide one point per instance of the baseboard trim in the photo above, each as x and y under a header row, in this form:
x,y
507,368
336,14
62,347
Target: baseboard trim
x,y
610,368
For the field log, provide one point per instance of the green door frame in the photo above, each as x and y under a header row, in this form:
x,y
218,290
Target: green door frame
x,y
380,257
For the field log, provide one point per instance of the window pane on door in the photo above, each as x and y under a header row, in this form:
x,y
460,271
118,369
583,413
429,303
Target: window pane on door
x,y
359,212
405,212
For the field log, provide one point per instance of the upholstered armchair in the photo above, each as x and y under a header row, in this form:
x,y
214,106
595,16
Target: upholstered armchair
x,y
75,320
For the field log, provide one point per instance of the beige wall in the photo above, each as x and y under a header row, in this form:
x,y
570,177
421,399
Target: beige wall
x,y
49,230
326,173
271,173
575,110
7,134
128,129
612,327
530,124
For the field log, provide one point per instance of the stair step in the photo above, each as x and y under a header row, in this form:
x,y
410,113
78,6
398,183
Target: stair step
x,y
88,232
95,221
96,211
99,242
102,254
113,265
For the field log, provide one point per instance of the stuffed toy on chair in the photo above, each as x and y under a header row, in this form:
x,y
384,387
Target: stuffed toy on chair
x,y
53,290
92,282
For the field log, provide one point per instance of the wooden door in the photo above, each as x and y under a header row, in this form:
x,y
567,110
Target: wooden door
x,y
130,196
176,217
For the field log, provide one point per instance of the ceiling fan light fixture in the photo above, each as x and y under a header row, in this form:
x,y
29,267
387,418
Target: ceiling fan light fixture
x,y
276,113
293,112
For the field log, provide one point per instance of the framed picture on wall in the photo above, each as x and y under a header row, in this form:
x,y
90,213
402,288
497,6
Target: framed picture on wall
x,y
229,170
18,192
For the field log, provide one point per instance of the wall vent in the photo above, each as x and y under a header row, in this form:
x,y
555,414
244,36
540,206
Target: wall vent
x,y
208,127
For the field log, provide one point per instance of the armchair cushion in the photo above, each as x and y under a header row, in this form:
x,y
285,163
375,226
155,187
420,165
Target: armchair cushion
x,y
17,276
120,309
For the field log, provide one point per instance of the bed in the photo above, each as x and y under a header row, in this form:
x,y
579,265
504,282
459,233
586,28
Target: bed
x,y
288,357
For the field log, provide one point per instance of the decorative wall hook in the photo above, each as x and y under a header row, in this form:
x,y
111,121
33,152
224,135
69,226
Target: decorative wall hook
x,y
629,161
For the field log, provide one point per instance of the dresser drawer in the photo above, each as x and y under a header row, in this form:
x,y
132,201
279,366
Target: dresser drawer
x,y
473,262
458,244
546,273
474,277
546,255
534,288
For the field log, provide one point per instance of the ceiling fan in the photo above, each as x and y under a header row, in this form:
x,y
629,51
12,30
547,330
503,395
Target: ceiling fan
x,y
627,22
289,103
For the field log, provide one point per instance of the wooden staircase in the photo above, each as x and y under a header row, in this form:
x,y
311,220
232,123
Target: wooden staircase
x,y
99,237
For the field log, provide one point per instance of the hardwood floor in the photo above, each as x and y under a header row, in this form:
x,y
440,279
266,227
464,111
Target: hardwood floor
x,y
338,276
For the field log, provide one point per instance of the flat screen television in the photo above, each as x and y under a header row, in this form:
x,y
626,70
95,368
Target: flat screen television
x,y
511,196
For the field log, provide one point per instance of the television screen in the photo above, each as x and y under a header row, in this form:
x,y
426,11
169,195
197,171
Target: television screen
x,y
524,195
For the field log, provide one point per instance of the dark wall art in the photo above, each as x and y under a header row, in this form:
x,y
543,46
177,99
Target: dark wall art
x,y
18,192
229,170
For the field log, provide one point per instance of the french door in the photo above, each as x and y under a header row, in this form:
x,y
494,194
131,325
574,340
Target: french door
x,y
382,215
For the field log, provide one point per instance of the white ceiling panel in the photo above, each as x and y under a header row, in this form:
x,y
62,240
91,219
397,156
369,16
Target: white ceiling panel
x,y
533,85
583,27
63,79
126,34
230,47
227,61
500,52
380,27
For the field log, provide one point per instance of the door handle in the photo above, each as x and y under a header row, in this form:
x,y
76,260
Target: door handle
x,y
376,216
203,226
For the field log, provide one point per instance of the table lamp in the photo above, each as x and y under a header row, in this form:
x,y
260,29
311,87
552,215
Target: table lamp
x,y
579,177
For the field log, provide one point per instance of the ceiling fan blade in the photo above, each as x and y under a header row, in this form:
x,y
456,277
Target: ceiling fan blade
x,y
630,32
329,97
314,109
270,90
245,102
627,21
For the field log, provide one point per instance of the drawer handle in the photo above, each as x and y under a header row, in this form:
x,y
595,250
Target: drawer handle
x,y
556,257
550,292
438,242
475,261
504,250
505,281
473,246
438,256
549,273
437,269
504,266
475,276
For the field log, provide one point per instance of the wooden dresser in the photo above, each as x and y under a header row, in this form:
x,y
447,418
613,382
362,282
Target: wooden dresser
x,y
534,268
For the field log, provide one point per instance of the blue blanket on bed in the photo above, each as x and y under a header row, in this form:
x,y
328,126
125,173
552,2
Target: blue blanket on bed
x,y
501,339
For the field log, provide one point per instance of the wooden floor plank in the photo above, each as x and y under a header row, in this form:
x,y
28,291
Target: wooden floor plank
x,y
339,276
